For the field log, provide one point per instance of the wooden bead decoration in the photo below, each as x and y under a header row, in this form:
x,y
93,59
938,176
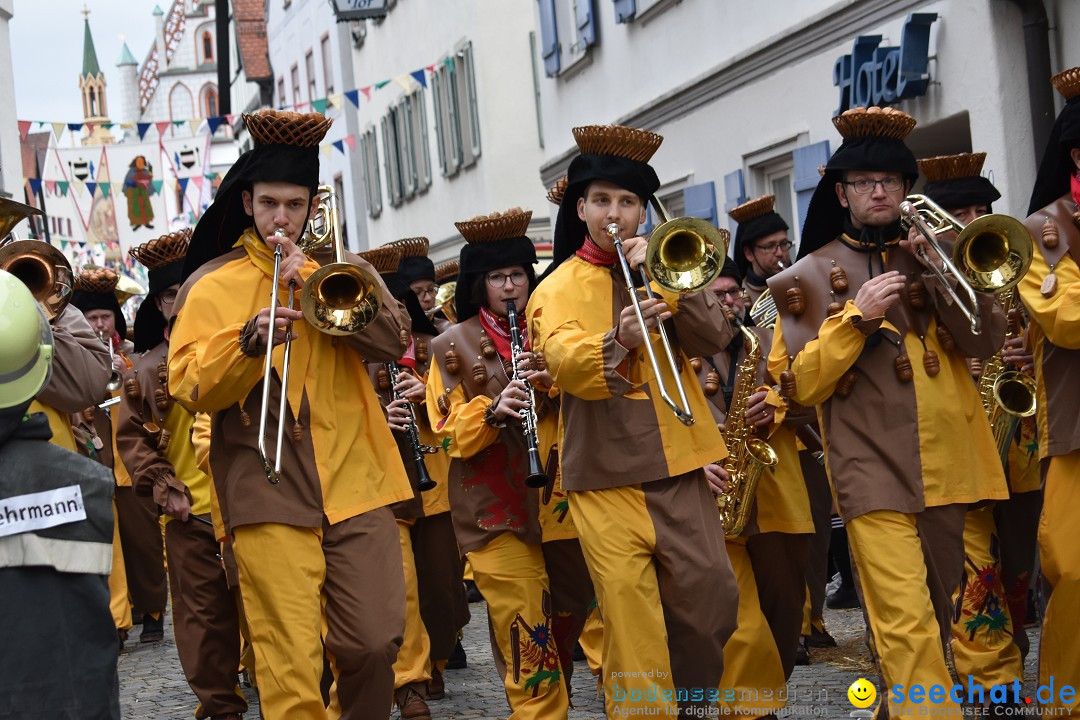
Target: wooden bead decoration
x,y
421,352
903,369
931,363
788,388
1049,285
452,361
838,278
975,367
945,338
403,339
245,419
163,440
796,301
443,403
1076,219
297,431
508,368
712,383
487,348
382,379
161,399
88,415
916,293
131,388
163,373
846,383
696,364
1050,234
479,371
835,307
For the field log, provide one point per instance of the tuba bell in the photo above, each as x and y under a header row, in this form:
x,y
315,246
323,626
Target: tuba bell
x,y
40,266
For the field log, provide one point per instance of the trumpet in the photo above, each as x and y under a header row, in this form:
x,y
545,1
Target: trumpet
x,y
419,450
537,477
444,301
115,379
684,255
993,251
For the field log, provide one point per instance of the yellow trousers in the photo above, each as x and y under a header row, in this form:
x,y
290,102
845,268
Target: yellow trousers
x,y
340,587
512,576
592,641
119,603
982,639
753,684
1059,554
413,662
892,572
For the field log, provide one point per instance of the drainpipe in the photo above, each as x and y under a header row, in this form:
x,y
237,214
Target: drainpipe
x,y
1037,57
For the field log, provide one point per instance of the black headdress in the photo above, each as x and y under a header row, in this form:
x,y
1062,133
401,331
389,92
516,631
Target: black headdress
x,y
756,219
1052,180
163,258
492,241
955,181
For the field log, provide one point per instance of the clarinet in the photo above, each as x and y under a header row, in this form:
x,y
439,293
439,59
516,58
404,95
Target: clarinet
x,y
537,477
418,448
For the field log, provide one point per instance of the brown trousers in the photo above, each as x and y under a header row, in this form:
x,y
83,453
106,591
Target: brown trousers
x,y
439,567
817,487
206,621
140,540
780,561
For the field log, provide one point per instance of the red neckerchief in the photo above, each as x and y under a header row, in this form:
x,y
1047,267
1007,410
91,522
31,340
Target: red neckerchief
x,y
409,358
592,253
1074,185
498,329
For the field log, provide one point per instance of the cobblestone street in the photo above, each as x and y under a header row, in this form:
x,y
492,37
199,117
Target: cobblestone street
x,y
152,685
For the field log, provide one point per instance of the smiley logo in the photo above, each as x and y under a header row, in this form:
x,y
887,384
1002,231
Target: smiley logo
x,y
862,693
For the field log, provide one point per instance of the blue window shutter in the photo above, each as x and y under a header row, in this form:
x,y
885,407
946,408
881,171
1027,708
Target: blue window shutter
x,y
586,25
734,195
807,160
624,10
700,201
549,37
650,221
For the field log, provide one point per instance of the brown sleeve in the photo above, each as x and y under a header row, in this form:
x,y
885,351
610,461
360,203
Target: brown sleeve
x,y
380,341
994,323
80,368
151,473
702,325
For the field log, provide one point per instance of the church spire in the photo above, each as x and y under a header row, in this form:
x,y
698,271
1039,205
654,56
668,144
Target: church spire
x,y
92,81
90,67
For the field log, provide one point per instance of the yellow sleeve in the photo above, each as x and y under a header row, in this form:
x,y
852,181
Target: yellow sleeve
x,y
463,431
824,360
200,439
1059,314
207,369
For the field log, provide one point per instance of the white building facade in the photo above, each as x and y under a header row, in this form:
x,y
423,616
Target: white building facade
x,y
744,93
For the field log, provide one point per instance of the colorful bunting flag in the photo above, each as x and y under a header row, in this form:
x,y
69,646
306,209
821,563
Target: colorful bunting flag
x,y
340,146
366,91
35,186
335,101
142,128
155,186
350,140
381,84
420,76
354,97
62,185
58,129
24,129
104,187
319,106
162,127
74,127
214,123
183,184
91,186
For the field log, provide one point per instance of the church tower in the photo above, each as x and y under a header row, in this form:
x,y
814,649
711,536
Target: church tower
x,y
92,85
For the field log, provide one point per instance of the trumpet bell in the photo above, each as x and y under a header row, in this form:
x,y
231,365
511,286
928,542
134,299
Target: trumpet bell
x,y
43,269
444,300
340,299
684,255
993,252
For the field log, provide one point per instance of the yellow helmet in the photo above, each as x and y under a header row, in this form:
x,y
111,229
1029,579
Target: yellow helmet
x,y
26,343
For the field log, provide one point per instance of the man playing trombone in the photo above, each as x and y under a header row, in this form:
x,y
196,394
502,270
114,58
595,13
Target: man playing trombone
x,y
641,501
315,542
879,343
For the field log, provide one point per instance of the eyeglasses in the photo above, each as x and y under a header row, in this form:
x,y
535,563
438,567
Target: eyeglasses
x,y
862,186
432,290
497,279
772,247
733,294
168,296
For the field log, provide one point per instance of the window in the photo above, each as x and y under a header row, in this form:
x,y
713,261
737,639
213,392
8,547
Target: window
x,y
392,158
457,116
210,103
208,46
309,63
405,141
295,85
339,190
327,65
370,157
281,91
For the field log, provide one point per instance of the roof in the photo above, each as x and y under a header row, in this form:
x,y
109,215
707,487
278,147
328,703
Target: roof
x,y
89,61
126,58
250,19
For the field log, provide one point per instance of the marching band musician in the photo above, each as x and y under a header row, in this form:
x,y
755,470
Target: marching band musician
x,y
154,437
474,406
770,555
989,640
869,336
637,489
140,571
1051,294
318,554
762,247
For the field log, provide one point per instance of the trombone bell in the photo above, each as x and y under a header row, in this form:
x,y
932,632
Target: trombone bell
x,y
684,255
993,252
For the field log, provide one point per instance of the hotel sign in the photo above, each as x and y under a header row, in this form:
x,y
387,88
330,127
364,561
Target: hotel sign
x,y
874,74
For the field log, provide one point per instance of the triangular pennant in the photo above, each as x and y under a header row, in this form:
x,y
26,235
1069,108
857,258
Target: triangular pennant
x,y
404,82
214,123
78,185
335,101
50,187
58,129
325,150
340,146
91,186
430,68
90,128
195,124
24,129
142,128
366,91
198,180
155,186
319,106
62,185
178,123
354,97
350,140
381,84
104,187
162,127
230,118
35,186
74,127
108,125
183,185
420,76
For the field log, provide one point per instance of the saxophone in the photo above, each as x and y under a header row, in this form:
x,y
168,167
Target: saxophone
x,y
1007,395
748,456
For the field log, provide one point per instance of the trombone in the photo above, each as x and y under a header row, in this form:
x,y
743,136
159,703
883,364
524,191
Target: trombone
x,y
114,377
683,256
993,251
444,301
